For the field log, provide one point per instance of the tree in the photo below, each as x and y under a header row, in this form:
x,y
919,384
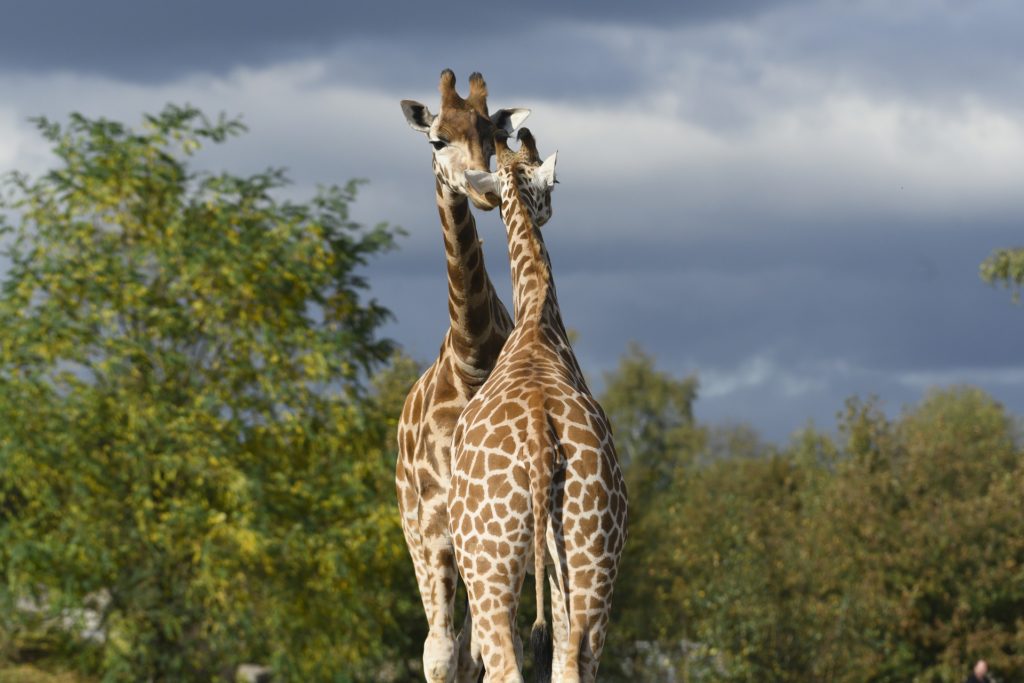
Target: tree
x,y
892,553
954,571
919,541
186,440
1005,267
652,416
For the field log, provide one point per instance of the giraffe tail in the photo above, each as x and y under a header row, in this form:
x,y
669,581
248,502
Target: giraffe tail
x,y
540,643
541,463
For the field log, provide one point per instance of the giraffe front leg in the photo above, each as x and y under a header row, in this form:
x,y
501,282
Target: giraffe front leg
x,y
428,578
414,543
439,650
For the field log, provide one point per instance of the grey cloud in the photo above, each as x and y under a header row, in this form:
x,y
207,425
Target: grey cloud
x,y
147,41
777,414
789,271
922,47
936,53
894,299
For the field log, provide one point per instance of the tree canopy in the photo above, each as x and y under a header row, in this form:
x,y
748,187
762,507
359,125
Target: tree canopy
x,y
1005,267
188,445
892,553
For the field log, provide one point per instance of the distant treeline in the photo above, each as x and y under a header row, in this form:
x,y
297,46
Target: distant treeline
x,y
893,551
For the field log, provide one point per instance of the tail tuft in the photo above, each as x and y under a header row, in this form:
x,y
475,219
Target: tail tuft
x,y
540,643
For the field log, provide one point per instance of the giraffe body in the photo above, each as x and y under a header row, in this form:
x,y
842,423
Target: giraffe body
x,y
535,476
462,137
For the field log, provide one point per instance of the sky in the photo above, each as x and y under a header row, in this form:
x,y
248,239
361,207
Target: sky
x,y
788,199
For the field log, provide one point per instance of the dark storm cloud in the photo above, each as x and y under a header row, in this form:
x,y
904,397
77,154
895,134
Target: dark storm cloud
x,y
790,200
156,40
779,330
896,299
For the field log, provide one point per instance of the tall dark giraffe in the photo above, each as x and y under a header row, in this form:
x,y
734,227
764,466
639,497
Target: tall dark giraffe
x,y
462,137
535,476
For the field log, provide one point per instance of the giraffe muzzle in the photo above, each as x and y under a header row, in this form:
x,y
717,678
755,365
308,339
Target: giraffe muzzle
x,y
485,202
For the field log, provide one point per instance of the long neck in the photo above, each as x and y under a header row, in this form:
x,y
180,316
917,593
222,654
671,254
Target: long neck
x,y
532,284
479,321
536,304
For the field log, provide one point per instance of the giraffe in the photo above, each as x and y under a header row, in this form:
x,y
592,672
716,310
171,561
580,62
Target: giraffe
x,y
534,470
461,134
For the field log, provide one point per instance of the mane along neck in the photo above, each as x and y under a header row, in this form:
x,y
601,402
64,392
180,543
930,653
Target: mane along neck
x,y
531,268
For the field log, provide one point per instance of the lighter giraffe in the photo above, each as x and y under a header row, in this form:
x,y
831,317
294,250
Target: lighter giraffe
x,y
534,469
461,135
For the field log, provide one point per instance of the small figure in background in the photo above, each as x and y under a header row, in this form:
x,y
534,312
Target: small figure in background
x,y
979,674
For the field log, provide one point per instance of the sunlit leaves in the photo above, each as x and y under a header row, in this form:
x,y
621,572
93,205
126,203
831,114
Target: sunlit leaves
x,y
186,427
1005,267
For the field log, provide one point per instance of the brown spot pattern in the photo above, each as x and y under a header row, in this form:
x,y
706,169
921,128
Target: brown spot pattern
x,y
479,326
534,445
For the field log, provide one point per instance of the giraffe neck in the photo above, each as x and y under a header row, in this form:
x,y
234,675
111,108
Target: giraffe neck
x,y
479,322
532,285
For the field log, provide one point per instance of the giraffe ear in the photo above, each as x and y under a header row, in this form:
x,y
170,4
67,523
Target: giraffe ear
x,y
546,171
509,119
418,116
483,182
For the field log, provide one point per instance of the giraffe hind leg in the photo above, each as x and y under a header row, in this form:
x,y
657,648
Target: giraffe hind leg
x,y
493,585
587,629
559,627
590,654
470,666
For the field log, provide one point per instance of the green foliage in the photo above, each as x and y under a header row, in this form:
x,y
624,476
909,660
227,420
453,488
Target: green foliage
x,y
894,553
186,443
652,418
1005,267
197,422
652,414
29,674
934,536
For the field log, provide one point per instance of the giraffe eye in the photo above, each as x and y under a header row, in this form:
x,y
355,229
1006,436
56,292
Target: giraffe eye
x,y
438,144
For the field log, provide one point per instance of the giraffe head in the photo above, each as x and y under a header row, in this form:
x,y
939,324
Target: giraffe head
x,y
462,134
534,179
